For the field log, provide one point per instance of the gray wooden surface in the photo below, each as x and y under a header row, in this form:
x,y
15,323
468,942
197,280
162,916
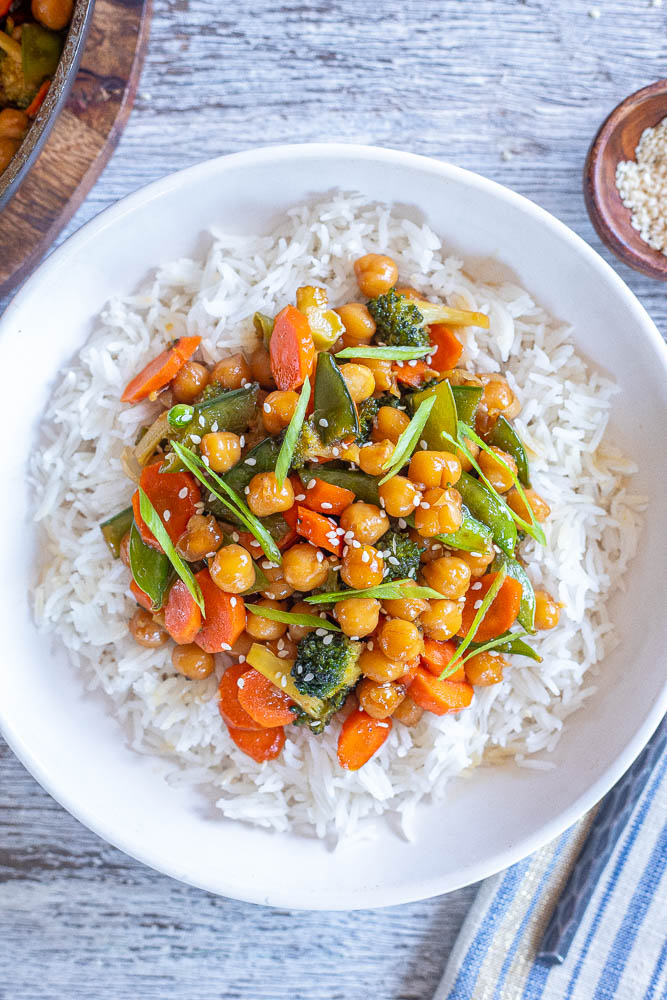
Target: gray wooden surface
x,y
514,89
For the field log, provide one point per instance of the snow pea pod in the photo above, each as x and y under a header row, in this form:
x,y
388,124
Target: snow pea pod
x,y
526,616
263,327
505,437
441,418
151,569
228,411
363,486
261,458
40,53
472,536
512,645
466,398
335,415
116,528
487,508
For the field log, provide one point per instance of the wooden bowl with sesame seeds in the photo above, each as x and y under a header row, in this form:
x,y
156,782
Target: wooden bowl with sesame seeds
x,y
616,141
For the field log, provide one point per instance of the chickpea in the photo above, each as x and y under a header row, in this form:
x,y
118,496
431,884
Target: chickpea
x,y
350,453
381,371
478,561
408,712
201,538
547,611
284,648
13,123
124,550
232,372
359,381
278,588
358,322
539,507
375,273
362,567
389,424
232,570
146,631
499,476
189,382
260,368
8,147
473,449
442,620
278,409
241,647
305,567
373,457
432,549
407,608
439,513
399,495
379,700
266,497
222,449
265,628
358,616
485,668
400,640
297,632
53,14
192,662
374,664
497,396
366,522
448,575
434,468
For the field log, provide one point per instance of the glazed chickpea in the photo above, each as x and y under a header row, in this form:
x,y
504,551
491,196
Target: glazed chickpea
x,y
305,567
232,569
379,700
366,522
222,449
362,567
297,632
431,549
442,620
448,575
407,608
479,561
278,409
13,123
400,640
265,628
8,147
434,468
189,382
439,513
359,381
497,396
284,648
372,457
124,550
389,424
146,631
547,611
399,495
266,497
375,273
357,617
192,662
408,712
485,668
499,476
374,664
473,449
232,372
381,371
350,453
53,14
241,647
202,537
539,507
278,588
358,322
260,368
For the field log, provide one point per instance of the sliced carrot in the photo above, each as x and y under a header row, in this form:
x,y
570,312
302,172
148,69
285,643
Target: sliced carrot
x,y
224,617
319,530
447,348
326,498
439,697
4,7
160,371
38,99
263,701
360,737
437,655
182,617
164,489
140,596
413,372
407,678
291,348
229,706
501,614
261,746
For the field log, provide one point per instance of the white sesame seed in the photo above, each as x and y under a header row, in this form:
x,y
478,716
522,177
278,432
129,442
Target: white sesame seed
x,y
346,549
202,422
425,506
269,593
283,681
282,654
207,463
242,441
183,493
402,523
349,535
300,496
312,484
226,646
320,557
255,544
251,461
167,515
267,407
326,505
235,536
477,605
240,682
422,444
241,657
195,438
309,676
382,502
246,490
335,451
340,532
365,557
214,426
412,364
476,586
323,422
233,602
393,560
327,639
356,544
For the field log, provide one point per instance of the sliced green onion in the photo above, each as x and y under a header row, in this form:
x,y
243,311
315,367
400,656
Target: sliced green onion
x,y
291,618
180,415
408,440
230,500
154,523
286,452
384,591
385,353
483,647
476,622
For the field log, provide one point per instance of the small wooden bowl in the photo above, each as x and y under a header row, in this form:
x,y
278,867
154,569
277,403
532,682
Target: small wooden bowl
x,y
616,141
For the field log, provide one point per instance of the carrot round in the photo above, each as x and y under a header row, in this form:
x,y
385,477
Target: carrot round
x,y
500,615
224,618
261,746
326,498
319,530
263,701
229,706
437,655
160,371
140,596
439,697
182,617
447,348
407,678
413,372
360,737
164,489
291,348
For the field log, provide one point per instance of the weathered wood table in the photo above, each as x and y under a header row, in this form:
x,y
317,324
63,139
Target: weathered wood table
x,y
514,89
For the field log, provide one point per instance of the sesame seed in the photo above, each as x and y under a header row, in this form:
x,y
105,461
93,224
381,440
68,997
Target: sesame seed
x,y
335,451
346,549
282,654
425,506
382,502
370,644
393,560
327,639
202,422
477,605
323,422
240,682
195,438
183,493
412,364
309,676
255,544
348,536
214,426
320,557
312,484
326,505
246,490
320,632
235,536
476,586
423,445
167,515
356,544
283,681
242,441
365,557
340,532
225,645
402,523
241,657
251,461
269,593
300,496
206,461
267,407
233,602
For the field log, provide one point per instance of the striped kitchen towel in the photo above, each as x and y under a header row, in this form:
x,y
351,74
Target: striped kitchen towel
x,y
620,950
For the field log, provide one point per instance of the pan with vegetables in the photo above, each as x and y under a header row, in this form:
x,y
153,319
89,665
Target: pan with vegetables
x,y
338,518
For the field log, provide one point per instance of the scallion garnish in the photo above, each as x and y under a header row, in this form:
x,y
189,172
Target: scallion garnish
x,y
408,440
384,591
180,415
153,522
291,618
499,641
489,598
286,452
385,353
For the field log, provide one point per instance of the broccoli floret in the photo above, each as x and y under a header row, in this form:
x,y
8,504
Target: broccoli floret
x,y
326,665
13,88
401,556
309,447
328,708
368,411
398,320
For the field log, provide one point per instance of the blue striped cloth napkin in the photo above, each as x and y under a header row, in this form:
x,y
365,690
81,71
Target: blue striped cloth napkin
x,y
620,949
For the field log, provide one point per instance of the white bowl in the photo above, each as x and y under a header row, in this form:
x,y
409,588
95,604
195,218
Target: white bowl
x,y
70,741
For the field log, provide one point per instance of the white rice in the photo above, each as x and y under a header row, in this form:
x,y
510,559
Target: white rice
x,y
592,532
